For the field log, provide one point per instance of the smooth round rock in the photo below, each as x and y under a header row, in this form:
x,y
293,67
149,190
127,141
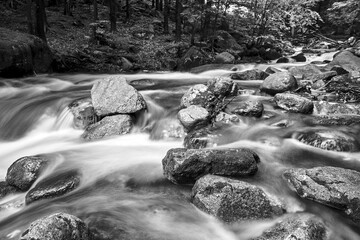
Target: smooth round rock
x,y
279,82
58,226
24,171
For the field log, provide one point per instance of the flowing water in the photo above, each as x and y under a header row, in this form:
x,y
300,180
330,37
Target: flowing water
x,y
123,192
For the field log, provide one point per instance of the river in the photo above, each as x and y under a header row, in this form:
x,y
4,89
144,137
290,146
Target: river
x,y
123,191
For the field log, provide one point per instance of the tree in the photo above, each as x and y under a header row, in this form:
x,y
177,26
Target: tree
x,y
40,19
112,8
166,16
178,20
96,15
29,16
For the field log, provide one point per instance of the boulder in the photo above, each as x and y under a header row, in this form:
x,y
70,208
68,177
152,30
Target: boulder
x,y
194,57
331,186
58,226
271,70
184,166
224,57
196,95
279,82
297,226
114,95
22,54
285,60
253,74
324,76
326,108
83,112
293,103
24,171
346,60
222,87
300,57
305,72
233,200
328,140
54,186
6,189
109,126
249,108
193,117
271,54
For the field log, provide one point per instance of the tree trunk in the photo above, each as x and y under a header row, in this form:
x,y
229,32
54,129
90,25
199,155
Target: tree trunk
x,y
40,17
166,16
157,4
67,8
29,16
161,5
178,21
153,4
96,14
207,20
112,7
127,10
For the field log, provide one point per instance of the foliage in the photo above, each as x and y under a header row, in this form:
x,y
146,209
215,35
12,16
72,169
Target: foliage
x,y
342,12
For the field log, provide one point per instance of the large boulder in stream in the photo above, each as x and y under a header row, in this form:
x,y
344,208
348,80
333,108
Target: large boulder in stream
x,y
249,108
24,171
58,226
22,54
193,117
83,112
232,200
327,108
113,95
293,103
224,58
253,74
194,57
184,166
332,140
54,186
346,60
305,72
279,82
109,126
331,186
297,226
196,95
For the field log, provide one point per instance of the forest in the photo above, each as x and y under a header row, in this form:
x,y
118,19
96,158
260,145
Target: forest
x,y
91,36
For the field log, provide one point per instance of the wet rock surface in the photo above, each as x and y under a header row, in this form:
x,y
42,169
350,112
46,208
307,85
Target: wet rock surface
x,y
328,140
58,226
253,74
293,103
6,189
24,171
54,186
196,95
278,83
193,117
331,186
84,113
113,95
346,60
233,200
297,226
305,72
249,108
184,166
108,127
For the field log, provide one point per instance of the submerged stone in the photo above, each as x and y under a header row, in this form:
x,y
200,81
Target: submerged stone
x,y
253,74
184,166
331,186
249,108
54,186
233,200
58,226
84,113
